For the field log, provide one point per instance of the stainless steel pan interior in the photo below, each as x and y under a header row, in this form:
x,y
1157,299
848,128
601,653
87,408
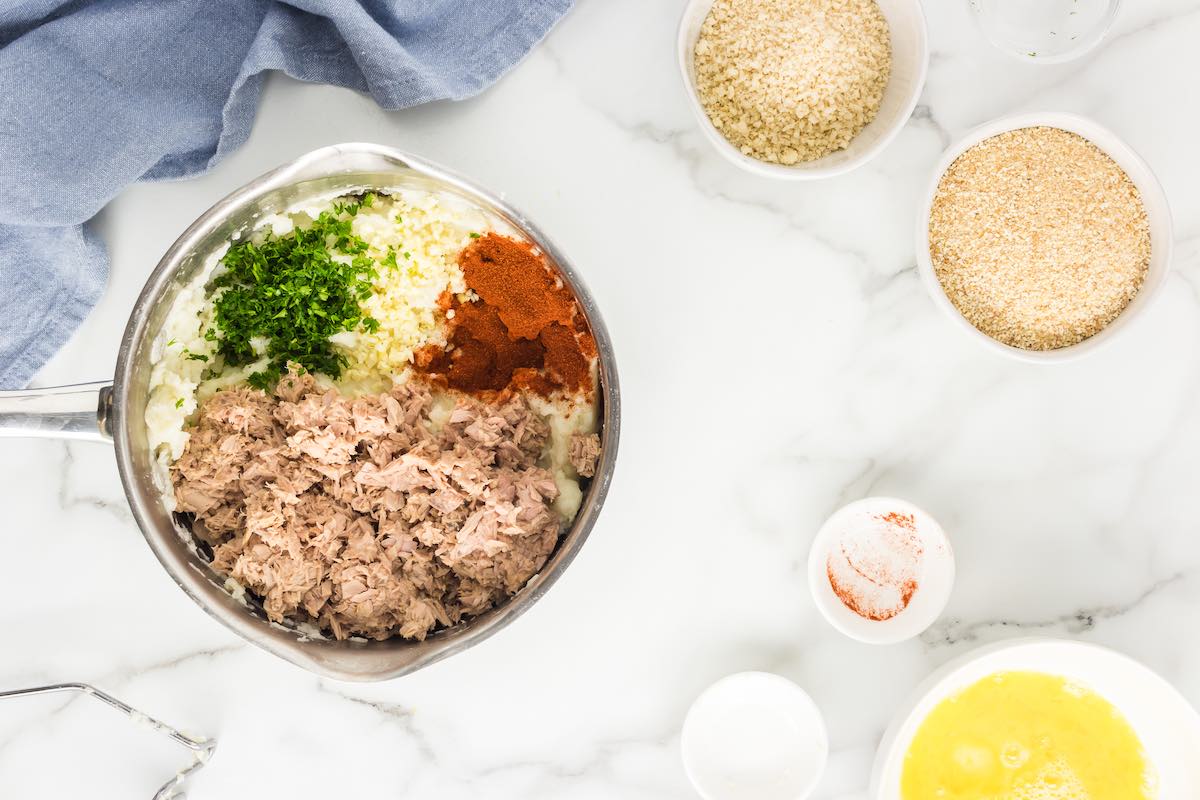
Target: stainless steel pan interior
x,y
96,411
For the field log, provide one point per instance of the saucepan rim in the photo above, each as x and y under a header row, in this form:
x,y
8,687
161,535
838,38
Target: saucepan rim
x,y
196,583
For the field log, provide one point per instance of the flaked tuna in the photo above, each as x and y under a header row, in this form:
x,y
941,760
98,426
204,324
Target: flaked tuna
x,y
584,453
364,516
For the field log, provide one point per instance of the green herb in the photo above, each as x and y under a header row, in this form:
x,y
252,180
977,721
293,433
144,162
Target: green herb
x,y
406,254
474,235
179,403
292,292
197,357
390,259
170,343
350,207
265,379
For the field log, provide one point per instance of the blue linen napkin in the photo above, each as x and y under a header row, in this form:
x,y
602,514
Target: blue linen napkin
x,y
96,95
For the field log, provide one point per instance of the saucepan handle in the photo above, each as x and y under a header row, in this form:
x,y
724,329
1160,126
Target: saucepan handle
x,y
82,411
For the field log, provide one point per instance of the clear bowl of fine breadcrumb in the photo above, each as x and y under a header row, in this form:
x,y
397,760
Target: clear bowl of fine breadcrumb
x,y
802,89
1043,235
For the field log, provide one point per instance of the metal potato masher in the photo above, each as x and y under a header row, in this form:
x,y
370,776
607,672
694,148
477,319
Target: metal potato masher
x,y
202,749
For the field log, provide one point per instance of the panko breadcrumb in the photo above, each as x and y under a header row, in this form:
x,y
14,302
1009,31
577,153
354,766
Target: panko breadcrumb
x,y
788,81
1038,238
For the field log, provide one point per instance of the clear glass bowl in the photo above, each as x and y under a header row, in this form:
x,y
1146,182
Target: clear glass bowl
x,y
1045,31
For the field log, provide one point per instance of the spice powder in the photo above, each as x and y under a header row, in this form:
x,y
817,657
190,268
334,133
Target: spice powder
x,y
874,570
524,330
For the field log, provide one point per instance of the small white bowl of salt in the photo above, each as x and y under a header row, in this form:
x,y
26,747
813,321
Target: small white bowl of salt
x,y
754,736
881,570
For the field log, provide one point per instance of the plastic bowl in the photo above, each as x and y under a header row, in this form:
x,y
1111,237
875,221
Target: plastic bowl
x,y
1167,725
910,60
1158,213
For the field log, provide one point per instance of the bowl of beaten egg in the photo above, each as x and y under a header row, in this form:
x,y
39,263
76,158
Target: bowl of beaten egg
x,y
1041,719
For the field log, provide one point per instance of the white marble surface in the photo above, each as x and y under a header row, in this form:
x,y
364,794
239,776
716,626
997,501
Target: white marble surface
x,y
778,356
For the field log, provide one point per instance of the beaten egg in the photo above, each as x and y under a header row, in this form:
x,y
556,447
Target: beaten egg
x,y
1026,736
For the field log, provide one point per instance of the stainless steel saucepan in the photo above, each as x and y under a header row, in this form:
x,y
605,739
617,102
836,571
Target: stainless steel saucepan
x,y
114,411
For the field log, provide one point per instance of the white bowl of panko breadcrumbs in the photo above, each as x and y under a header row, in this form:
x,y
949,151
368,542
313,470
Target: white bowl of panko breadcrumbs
x,y
802,89
1043,235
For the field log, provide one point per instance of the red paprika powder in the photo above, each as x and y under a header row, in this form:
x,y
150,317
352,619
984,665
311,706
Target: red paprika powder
x,y
524,331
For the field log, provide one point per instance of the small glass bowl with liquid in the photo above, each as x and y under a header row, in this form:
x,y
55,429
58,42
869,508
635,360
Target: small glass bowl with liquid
x,y
1045,31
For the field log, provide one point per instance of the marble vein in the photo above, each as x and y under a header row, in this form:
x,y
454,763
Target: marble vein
x,y
70,500
849,384
602,753
952,631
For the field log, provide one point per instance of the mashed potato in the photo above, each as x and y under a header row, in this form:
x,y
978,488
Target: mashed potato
x,y
175,376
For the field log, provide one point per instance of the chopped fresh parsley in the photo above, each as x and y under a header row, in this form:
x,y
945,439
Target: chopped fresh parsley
x,y
266,379
474,235
292,292
197,357
170,343
390,259
179,403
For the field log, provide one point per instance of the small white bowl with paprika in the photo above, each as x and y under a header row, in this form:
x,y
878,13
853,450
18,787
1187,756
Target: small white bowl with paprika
x,y
881,570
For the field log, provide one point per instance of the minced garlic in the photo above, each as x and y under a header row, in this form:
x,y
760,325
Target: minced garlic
x,y
416,241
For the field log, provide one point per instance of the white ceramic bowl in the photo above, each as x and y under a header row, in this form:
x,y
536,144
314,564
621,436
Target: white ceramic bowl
x,y
754,736
934,582
910,60
1045,31
1168,727
1158,212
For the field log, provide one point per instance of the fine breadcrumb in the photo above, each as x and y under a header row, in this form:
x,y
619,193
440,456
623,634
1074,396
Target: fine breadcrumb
x,y
787,81
1038,238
